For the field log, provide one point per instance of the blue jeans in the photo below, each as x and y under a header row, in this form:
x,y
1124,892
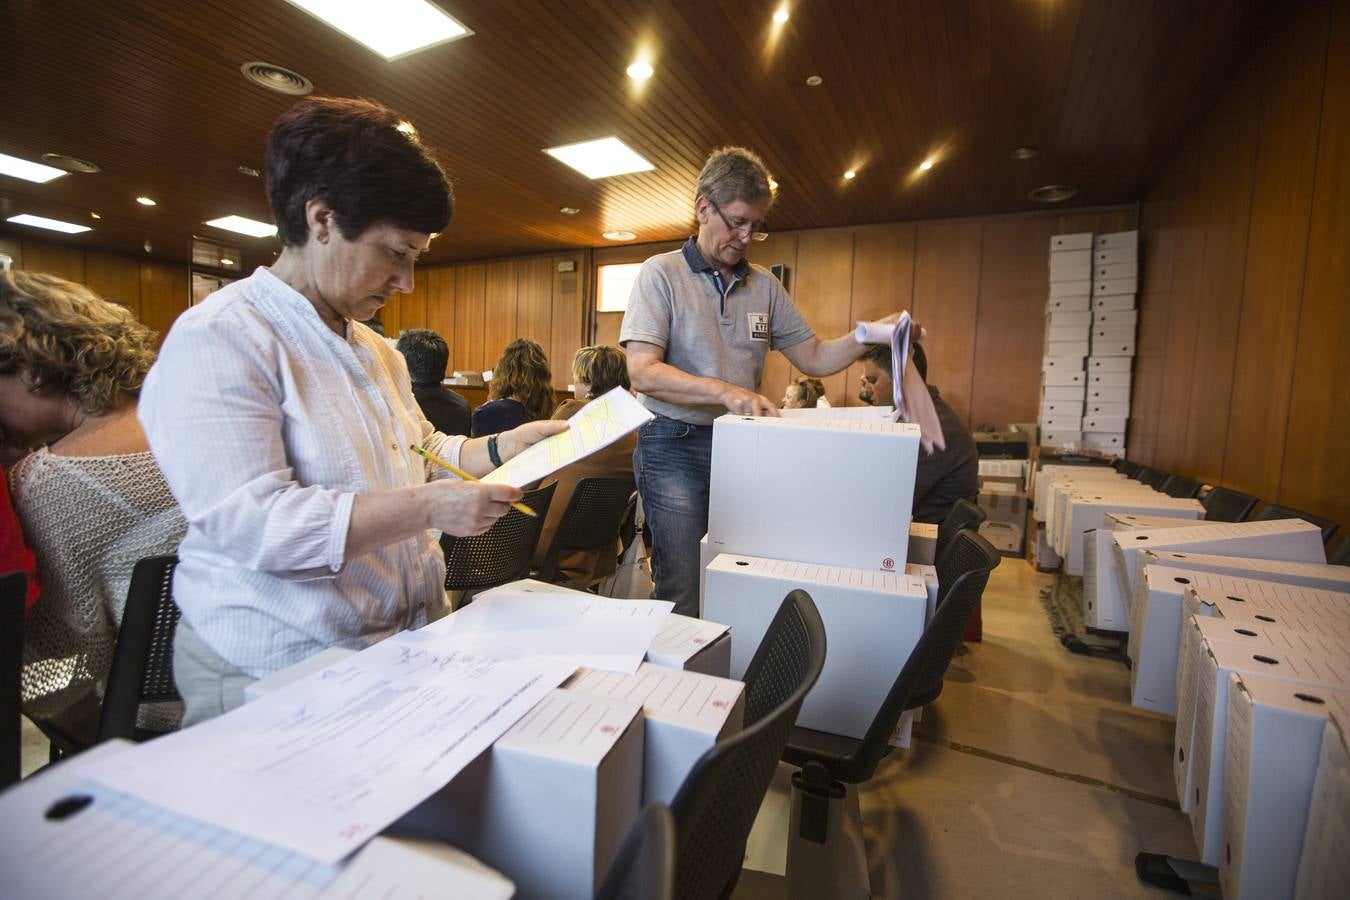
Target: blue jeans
x,y
673,464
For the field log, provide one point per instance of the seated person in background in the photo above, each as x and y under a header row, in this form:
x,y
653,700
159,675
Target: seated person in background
x,y
595,371
803,393
91,504
14,553
521,389
427,355
943,476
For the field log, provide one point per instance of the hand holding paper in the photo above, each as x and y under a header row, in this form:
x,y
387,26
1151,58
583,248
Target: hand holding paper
x,y
912,401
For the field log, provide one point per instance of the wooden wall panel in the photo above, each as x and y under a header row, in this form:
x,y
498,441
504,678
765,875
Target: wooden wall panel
x,y
778,248
412,307
824,288
13,248
164,295
114,277
607,327
569,319
946,296
440,306
883,282
499,311
54,259
469,322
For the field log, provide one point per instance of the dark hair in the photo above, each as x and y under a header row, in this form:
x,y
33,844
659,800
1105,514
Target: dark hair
x,y
603,366
920,360
878,355
731,174
427,355
522,374
361,159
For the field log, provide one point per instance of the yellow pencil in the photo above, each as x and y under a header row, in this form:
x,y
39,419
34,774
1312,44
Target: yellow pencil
x,y
465,475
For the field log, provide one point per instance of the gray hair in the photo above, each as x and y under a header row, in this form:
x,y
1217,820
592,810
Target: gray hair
x,y
731,174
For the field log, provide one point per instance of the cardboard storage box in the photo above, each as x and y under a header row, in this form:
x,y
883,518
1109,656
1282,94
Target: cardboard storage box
x,y
1071,288
1324,866
1064,391
1116,240
838,516
1058,438
1086,510
1113,301
872,622
922,543
1076,346
1065,378
1079,240
1109,363
1078,267
1101,408
1105,346
1104,271
1115,255
1082,302
1059,333
1101,379
1007,516
1106,607
1114,424
1072,363
1069,319
1312,575
694,645
1115,286
1107,393
1115,318
1057,408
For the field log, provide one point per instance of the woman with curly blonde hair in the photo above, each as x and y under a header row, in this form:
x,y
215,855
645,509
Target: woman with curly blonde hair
x,y
521,390
93,502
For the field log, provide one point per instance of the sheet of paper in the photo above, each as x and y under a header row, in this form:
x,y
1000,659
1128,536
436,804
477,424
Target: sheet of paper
x,y
897,335
682,636
322,766
580,629
117,846
599,423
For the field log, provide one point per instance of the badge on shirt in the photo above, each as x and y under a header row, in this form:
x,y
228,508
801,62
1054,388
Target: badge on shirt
x,y
759,326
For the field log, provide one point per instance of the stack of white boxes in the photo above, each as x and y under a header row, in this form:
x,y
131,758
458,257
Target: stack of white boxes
x,y
1115,282
1068,335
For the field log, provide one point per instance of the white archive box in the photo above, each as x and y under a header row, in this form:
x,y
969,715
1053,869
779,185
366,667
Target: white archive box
x,y
549,802
1290,606
1115,240
1104,440
1055,489
1107,286
1109,363
1112,334
1100,408
1074,319
1061,423
1288,539
840,516
1076,256
1077,268
1062,391
1071,288
1100,379
1079,240
1104,423
1108,271
1108,347
1274,743
1115,255
1050,475
1071,363
1324,866
1078,348
1087,509
1108,393
922,543
1062,408
683,715
1076,303
694,645
1313,575
872,620
1057,438
1113,302
1058,334
1218,660
1105,605
707,551
1115,318
930,582
1064,378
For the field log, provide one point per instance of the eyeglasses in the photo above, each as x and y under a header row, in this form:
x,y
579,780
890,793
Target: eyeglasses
x,y
753,231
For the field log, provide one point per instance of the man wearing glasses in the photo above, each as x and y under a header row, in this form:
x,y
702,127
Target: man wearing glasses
x,y
699,324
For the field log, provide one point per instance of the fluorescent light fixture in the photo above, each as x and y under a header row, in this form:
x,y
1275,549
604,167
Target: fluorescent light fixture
x,y
94,215
601,158
241,225
640,70
28,171
224,261
392,28
50,224
145,201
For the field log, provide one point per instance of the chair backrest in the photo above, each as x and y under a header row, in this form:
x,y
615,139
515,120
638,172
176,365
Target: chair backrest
x,y
594,514
142,665
963,514
644,867
13,593
721,796
500,554
1130,469
1275,511
1227,505
1151,476
960,557
1180,486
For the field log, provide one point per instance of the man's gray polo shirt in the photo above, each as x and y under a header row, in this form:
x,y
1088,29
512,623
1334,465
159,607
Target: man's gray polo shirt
x,y
707,328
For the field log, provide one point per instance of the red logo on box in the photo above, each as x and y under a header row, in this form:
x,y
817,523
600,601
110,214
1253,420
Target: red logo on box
x,y
888,563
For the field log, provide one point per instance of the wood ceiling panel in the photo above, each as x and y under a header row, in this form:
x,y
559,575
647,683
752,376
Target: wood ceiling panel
x,y
151,92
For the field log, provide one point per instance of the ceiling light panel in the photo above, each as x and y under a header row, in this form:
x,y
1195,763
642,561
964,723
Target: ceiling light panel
x,y
28,171
392,28
50,224
241,225
601,159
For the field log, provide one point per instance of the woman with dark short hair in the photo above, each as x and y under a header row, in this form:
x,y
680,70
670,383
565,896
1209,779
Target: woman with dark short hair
x,y
285,427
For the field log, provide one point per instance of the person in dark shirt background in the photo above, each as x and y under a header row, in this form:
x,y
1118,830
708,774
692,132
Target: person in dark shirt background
x,y
428,355
943,476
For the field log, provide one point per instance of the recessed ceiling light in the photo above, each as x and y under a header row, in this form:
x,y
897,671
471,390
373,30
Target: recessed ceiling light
x,y
50,224
814,81
1026,152
618,235
773,185
392,28
146,201
71,163
850,175
277,78
224,261
28,171
780,15
249,171
1053,193
241,225
640,70
94,215
407,128
925,165
601,158
569,210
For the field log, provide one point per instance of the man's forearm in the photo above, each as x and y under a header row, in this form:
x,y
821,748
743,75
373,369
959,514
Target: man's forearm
x,y
663,381
827,357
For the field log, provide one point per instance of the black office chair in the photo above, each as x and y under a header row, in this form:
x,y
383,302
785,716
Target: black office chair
x,y
717,804
1130,469
1180,486
963,514
1341,555
828,762
1152,477
644,867
1227,505
500,554
13,592
1275,511
142,665
591,521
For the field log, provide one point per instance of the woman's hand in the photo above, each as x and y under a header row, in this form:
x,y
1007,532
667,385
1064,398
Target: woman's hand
x,y
466,508
511,443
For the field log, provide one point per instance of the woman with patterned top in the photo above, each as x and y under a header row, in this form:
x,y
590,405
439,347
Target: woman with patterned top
x,y
93,502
